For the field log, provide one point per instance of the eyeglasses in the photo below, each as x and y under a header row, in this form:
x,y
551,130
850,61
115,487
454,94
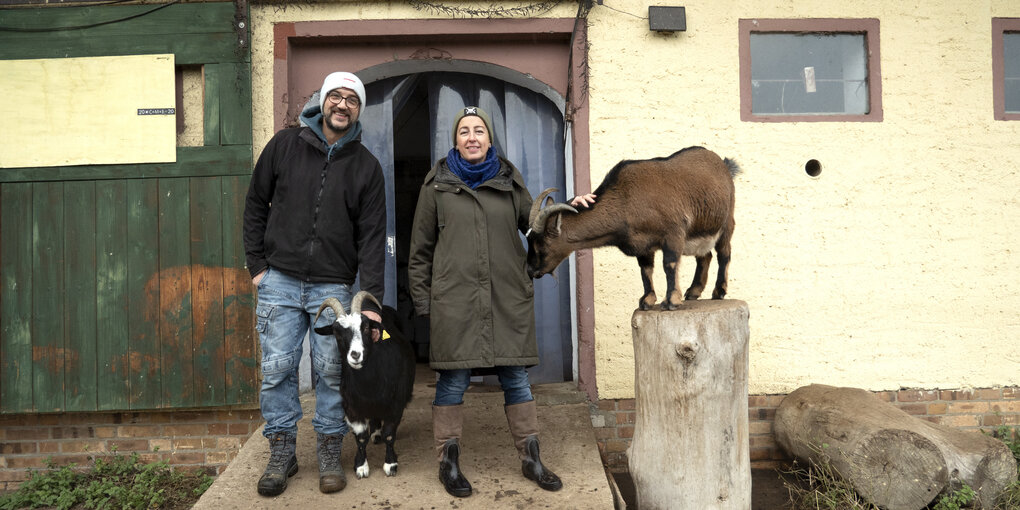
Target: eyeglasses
x,y
336,98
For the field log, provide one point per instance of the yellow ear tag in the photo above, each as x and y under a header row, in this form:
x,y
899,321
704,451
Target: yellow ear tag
x,y
385,335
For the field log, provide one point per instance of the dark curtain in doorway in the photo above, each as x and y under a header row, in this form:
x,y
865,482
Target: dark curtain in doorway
x,y
529,132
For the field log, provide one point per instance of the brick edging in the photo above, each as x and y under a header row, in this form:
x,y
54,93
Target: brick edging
x,y
195,440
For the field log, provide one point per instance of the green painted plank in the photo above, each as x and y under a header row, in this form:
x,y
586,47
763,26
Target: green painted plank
x,y
187,49
235,106
79,309
227,104
16,298
214,81
196,33
143,294
175,297
238,299
177,19
207,291
48,352
191,162
113,357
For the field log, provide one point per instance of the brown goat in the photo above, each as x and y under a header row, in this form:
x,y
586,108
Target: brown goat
x,y
682,204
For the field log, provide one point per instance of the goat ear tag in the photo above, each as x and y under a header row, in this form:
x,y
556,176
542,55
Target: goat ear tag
x,y
385,335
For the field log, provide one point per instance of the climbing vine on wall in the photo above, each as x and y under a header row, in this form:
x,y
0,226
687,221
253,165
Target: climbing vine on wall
x,y
492,11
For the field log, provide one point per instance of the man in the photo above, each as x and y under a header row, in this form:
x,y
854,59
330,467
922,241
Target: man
x,y
314,216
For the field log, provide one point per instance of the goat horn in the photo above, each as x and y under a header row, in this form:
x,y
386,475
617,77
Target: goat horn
x,y
538,226
536,206
358,298
330,302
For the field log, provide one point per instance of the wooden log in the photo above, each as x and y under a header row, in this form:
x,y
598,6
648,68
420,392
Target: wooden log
x,y
690,446
894,460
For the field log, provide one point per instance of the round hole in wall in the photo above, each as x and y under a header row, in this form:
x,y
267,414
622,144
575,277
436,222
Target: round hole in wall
x,y
813,167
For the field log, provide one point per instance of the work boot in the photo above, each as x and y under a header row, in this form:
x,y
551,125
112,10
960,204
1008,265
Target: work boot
x,y
447,424
449,471
282,464
534,470
523,421
331,474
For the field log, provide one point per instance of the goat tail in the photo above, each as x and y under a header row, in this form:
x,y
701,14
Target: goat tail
x,y
732,165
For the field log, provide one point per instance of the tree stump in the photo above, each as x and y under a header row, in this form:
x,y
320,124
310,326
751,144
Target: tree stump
x,y
690,446
894,460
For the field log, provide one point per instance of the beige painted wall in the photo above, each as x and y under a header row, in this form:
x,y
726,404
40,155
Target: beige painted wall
x,y
897,267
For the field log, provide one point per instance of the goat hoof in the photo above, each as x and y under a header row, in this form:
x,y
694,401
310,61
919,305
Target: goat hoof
x,y
361,471
666,305
390,469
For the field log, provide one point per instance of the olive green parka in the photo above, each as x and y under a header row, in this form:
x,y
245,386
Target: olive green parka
x,y
467,270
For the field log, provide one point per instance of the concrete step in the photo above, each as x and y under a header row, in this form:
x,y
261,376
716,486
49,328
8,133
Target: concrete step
x,y
488,459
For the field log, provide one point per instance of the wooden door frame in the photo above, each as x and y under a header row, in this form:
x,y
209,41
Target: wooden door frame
x,y
431,38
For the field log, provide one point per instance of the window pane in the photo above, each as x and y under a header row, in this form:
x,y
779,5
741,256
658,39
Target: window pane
x,y
798,74
1011,59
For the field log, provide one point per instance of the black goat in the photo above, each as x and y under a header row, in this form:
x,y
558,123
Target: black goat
x,y
682,204
377,377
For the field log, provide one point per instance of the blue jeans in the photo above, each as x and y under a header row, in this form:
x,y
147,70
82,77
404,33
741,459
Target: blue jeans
x,y
286,307
452,384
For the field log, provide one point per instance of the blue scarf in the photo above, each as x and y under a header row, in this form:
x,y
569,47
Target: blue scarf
x,y
473,174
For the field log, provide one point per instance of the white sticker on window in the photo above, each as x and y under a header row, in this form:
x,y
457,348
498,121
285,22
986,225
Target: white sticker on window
x,y
809,80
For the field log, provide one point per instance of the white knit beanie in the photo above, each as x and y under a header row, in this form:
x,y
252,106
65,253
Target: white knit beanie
x,y
341,80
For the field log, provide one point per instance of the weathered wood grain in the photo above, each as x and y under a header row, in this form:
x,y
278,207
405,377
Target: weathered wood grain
x,y
690,446
895,460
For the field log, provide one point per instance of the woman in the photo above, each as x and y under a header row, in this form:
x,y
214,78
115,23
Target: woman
x,y
467,272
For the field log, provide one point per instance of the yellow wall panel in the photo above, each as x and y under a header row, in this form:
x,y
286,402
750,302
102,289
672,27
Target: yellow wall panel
x,y
87,111
897,266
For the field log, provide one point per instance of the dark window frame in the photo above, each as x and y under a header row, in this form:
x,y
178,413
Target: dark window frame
x,y
1001,26
869,27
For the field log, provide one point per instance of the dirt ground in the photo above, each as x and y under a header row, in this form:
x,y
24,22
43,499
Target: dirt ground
x,y
767,490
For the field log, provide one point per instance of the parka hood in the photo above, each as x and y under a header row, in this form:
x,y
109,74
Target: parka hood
x,y
311,117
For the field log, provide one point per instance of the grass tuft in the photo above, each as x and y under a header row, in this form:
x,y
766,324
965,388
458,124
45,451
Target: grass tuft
x,y
114,481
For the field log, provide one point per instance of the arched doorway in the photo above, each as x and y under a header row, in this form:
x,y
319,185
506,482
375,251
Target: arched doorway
x,y
406,126
545,55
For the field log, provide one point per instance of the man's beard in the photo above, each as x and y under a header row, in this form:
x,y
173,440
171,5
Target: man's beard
x,y
342,130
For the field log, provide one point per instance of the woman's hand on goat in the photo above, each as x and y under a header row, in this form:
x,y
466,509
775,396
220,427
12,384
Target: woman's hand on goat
x,y
583,200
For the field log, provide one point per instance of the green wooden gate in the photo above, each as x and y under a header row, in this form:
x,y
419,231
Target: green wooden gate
x,y
124,286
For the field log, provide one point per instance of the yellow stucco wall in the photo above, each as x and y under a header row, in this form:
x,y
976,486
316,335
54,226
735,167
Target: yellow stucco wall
x,y
898,266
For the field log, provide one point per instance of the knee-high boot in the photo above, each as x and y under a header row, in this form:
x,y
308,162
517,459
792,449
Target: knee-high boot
x,y
447,424
523,421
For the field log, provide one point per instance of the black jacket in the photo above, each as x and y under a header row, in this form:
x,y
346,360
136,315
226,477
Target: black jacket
x,y
315,217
